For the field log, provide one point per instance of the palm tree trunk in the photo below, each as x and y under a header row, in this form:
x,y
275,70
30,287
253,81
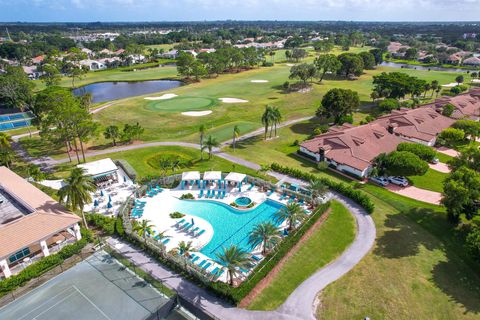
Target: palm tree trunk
x,y
266,130
76,149
83,218
83,151
68,151
233,142
230,273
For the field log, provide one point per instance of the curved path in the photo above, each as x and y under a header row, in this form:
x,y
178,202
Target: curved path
x,y
301,304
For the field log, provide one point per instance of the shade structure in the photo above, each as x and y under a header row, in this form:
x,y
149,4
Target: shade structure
x,y
98,168
212,175
190,176
101,193
109,205
95,203
235,177
294,187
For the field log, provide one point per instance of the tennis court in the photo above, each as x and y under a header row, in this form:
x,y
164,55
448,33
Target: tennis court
x,y
97,288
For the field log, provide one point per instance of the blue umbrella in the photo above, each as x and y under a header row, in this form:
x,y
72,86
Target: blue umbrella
x,y
95,203
109,198
193,222
101,193
285,232
109,205
124,179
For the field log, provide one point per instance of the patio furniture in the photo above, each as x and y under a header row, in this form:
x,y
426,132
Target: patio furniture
x,y
251,186
202,263
165,241
179,222
200,195
200,233
207,265
269,193
256,258
194,230
195,259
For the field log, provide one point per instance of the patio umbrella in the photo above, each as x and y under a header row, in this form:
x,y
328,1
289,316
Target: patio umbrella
x,y
109,205
95,203
285,232
124,178
193,222
101,193
109,198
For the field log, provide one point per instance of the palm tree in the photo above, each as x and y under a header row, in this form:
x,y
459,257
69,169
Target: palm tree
x,y
202,130
232,258
6,157
236,134
267,119
293,213
265,233
317,190
174,165
184,249
434,85
35,173
210,144
76,193
164,165
5,141
277,118
144,229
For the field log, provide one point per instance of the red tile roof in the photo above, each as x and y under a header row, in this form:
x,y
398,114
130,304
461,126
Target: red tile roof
x,y
467,104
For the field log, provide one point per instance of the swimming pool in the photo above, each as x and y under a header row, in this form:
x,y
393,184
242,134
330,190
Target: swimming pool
x,y
231,226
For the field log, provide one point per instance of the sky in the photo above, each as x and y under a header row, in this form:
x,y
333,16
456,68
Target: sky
x,y
200,10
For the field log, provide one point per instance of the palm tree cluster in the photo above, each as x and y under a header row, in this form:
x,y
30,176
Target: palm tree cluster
x,y
76,193
6,151
144,229
266,234
166,164
292,213
271,117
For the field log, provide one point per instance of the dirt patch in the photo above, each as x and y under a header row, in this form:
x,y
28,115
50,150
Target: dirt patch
x,y
277,269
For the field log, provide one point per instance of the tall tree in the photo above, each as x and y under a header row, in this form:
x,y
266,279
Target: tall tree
x,y
112,133
144,229
210,144
292,213
75,194
232,258
236,134
303,71
267,118
326,63
338,103
317,189
266,234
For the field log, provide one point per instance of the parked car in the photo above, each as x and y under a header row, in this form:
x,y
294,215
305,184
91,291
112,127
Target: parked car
x,y
399,181
435,161
380,180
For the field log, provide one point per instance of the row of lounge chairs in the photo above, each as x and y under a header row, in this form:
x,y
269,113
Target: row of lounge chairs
x,y
137,210
189,228
205,264
211,194
154,191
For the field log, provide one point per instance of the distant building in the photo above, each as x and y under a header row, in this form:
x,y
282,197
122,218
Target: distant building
x,y
38,59
32,224
93,65
467,105
32,72
472,61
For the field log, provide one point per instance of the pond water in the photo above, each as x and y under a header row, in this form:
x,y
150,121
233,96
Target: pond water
x,y
416,67
106,91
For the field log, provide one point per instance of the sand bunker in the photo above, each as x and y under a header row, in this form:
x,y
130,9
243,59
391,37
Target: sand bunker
x,y
290,64
258,81
451,85
197,113
164,97
232,100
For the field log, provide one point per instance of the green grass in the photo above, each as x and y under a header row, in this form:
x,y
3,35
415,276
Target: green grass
x,y
444,157
324,245
432,180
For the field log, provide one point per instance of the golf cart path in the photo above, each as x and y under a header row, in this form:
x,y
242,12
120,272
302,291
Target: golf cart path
x,y
301,304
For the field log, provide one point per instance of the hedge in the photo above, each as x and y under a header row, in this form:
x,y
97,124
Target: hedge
x,y
107,224
129,170
424,152
356,195
43,265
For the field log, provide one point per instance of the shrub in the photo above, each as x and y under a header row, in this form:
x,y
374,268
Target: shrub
x,y
448,109
322,166
127,168
105,223
356,195
176,215
451,135
267,64
119,226
187,196
422,151
296,143
404,163
389,104
473,243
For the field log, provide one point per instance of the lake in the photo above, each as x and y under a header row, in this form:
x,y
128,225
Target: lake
x,y
411,66
106,91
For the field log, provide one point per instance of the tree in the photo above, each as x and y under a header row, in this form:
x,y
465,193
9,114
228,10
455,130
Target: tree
x,y
389,104
277,118
326,63
51,76
16,90
35,173
461,191
112,132
198,70
292,213
459,79
451,135
338,103
144,229
5,141
397,84
404,163
185,64
303,71
266,234
75,194
470,127
202,130
469,158
424,152
185,249
236,134
6,157
267,119
132,132
473,242
434,85
232,258
368,60
75,71
210,144
352,64
447,110
317,189
378,55
411,54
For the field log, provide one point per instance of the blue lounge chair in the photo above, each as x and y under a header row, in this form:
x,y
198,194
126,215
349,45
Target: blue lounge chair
x,y
251,186
269,193
283,196
200,233
200,195
292,198
165,241
194,230
208,194
205,267
179,222
195,259
219,273
256,258
214,272
188,227
218,194
202,263
223,194
301,201
212,194
181,226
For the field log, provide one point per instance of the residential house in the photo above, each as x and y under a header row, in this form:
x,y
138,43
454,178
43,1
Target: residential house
x,y
32,72
351,149
472,61
88,52
172,54
38,59
93,65
454,59
32,224
467,105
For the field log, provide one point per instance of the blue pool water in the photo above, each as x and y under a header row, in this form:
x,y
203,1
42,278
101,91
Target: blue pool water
x,y
231,226
243,201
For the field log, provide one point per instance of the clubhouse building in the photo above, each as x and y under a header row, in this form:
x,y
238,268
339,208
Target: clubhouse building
x,y
32,224
352,149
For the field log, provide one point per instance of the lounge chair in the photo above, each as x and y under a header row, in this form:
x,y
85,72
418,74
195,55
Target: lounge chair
x,y
218,194
214,271
200,195
194,230
256,258
292,198
301,201
269,193
182,226
202,263
283,196
187,227
219,273
179,222
165,241
212,194
251,186
208,194
207,265
195,259
200,233
223,194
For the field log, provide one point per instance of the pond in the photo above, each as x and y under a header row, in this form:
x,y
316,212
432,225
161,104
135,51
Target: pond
x,y
106,91
417,67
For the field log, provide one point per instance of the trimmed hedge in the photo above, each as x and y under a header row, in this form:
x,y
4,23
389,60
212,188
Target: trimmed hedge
x,y
342,188
43,265
107,224
129,170
424,152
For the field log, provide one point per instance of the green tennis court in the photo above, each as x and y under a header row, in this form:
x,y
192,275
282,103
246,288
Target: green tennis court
x,y
97,288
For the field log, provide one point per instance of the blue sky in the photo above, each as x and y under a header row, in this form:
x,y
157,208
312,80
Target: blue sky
x,y
198,10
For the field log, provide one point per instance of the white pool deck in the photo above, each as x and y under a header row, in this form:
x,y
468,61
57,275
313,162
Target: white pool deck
x,y
158,208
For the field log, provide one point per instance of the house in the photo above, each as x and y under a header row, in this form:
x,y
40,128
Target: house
x,y
32,224
472,61
137,58
38,59
93,64
119,52
351,149
454,59
101,171
172,54
394,47
467,105
106,52
88,52
421,125
32,72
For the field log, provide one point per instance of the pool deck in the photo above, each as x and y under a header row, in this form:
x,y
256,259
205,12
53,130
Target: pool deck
x,y
158,208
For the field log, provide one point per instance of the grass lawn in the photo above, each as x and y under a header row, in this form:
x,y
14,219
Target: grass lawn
x,y
444,157
432,180
324,245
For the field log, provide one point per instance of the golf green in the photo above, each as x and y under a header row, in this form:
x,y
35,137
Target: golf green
x,y
181,104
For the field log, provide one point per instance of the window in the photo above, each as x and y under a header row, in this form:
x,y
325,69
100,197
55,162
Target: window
x,y
19,255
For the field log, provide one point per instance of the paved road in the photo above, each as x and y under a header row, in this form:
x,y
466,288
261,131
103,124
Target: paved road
x,y
301,304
